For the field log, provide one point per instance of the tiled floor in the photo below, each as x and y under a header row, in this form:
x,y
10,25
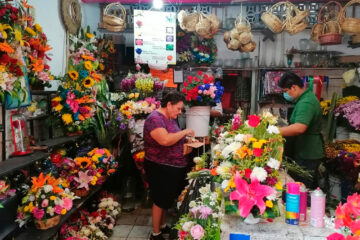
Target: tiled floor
x,y
136,225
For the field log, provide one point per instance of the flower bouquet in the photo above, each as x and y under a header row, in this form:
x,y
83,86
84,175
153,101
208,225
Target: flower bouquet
x,y
103,160
139,109
46,201
106,51
350,111
204,50
246,160
347,219
183,53
203,219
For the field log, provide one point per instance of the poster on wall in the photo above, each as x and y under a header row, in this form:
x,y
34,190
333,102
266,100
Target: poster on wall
x,y
155,37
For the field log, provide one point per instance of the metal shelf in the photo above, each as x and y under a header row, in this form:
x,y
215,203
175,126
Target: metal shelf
x,y
57,141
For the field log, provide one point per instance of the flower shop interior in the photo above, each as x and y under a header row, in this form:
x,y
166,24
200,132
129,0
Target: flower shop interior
x,y
78,78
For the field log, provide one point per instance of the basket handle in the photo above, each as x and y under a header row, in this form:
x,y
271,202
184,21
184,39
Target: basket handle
x,y
239,19
325,26
342,14
327,4
118,5
277,5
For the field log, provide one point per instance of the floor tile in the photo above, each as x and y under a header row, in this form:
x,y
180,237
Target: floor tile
x,y
122,230
117,238
140,232
144,220
127,219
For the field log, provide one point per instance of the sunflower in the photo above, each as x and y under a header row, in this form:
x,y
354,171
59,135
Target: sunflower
x,y
101,66
74,75
38,27
67,118
88,82
30,31
83,162
88,65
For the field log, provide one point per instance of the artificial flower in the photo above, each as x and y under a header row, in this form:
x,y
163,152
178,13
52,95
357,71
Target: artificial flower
x,y
67,118
254,120
88,82
3,28
258,173
5,47
88,65
38,28
84,179
74,75
30,31
335,236
83,162
273,129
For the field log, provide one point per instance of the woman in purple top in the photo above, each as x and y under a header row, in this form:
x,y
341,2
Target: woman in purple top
x,y
164,159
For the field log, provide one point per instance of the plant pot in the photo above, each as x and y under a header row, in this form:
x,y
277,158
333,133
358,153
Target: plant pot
x,y
81,192
198,118
47,223
251,220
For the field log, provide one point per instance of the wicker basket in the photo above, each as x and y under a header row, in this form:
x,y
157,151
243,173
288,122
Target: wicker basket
x,y
227,37
47,223
81,192
272,21
245,38
330,38
233,44
349,25
215,23
355,39
242,24
190,21
316,31
298,17
250,47
114,16
295,28
203,27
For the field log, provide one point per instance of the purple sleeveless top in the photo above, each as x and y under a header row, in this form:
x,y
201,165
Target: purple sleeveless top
x,y
166,155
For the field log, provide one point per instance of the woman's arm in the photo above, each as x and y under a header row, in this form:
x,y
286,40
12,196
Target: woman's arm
x,y
162,137
293,130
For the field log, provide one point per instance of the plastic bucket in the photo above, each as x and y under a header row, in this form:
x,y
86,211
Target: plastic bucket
x,y
198,118
335,187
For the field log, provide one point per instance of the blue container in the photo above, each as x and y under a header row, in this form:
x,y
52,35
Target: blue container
x,y
238,236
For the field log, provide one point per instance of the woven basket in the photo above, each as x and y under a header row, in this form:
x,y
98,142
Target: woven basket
x,y
316,31
330,38
325,15
355,39
242,24
250,47
227,37
81,192
245,38
272,21
296,28
233,44
349,25
112,28
114,15
203,27
47,223
298,16
234,34
215,23
189,22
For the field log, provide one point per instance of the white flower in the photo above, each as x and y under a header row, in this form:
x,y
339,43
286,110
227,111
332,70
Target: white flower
x,y
224,134
272,197
50,211
273,163
267,116
215,215
212,203
259,173
192,204
214,195
32,198
273,129
230,149
229,140
224,169
197,160
42,196
205,190
239,137
48,188
187,226
224,184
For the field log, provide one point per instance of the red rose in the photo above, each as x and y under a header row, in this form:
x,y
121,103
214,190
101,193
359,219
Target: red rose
x,y
8,6
200,73
248,172
335,236
14,10
13,17
254,120
2,12
55,157
184,90
257,152
54,103
196,79
189,78
211,79
185,84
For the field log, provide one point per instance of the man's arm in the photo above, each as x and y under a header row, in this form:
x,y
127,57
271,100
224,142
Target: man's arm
x,y
293,130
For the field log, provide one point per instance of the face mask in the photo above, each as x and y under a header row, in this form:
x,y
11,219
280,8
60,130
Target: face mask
x,y
288,97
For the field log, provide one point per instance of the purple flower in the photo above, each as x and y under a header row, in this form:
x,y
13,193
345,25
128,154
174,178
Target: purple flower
x,y
351,112
107,124
122,126
119,118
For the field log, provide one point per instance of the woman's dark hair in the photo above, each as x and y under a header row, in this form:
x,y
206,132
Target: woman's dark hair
x,y
288,79
173,97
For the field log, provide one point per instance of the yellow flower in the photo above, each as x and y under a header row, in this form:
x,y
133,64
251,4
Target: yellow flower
x,y
30,31
63,211
88,82
38,27
269,204
107,152
31,206
137,95
88,65
52,198
278,186
94,166
74,75
94,180
263,141
83,162
4,27
231,184
257,144
67,118
2,68
101,66
141,155
131,95
58,107
98,175
95,158
65,183
56,99
89,35
18,36
252,139
26,209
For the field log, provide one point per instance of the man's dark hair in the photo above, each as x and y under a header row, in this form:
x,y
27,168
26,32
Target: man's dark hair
x,y
288,79
173,97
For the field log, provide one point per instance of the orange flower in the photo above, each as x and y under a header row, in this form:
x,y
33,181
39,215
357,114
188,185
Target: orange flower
x,y
104,55
38,182
97,77
81,117
45,48
38,65
107,152
243,152
92,152
5,47
213,172
110,171
85,57
24,3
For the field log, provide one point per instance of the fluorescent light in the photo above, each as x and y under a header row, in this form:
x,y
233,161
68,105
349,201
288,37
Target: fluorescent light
x,y
157,4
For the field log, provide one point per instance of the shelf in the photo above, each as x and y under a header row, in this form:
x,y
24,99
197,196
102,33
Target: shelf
x,y
41,92
33,233
296,51
57,141
15,163
39,117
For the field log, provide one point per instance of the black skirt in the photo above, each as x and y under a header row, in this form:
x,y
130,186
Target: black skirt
x,y
165,183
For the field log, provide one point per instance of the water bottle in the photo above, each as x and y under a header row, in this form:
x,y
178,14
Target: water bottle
x,y
292,204
303,203
317,212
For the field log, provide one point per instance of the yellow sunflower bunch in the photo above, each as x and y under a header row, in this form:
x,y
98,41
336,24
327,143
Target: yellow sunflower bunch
x,y
83,162
88,82
74,75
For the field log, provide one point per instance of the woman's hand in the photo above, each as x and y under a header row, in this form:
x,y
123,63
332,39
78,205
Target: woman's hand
x,y
189,132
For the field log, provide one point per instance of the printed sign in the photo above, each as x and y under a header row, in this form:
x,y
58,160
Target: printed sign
x,y
155,37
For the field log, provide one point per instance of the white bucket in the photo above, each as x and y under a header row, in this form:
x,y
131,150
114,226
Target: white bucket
x,y
198,118
335,187
342,133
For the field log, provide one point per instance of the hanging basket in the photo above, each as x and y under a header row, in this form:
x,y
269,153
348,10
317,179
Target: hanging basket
x,y
47,223
245,37
81,192
114,17
272,21
242,24
330,38
349,25
316,31
190,21
296,28
203,27
295,16
250,47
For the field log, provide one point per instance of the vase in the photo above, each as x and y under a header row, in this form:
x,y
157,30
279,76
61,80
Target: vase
x,y
47,223
251,220
197,119
82,192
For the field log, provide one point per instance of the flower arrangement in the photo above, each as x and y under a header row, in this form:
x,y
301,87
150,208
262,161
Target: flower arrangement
x,y
183,45
143,84
247,159
103,160
203,50
46,199
5,190
74,107
347,219
326,104
350,111
201,90
204,217
139,109
106,52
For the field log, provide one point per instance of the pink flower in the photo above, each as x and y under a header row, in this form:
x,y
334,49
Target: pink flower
x,y
236,122
38,213
200,92
182,234
197,232
83,179
45,203
68,203
100,151
194,211
205,212
335,236
58,209
249,195
254,120
355,228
